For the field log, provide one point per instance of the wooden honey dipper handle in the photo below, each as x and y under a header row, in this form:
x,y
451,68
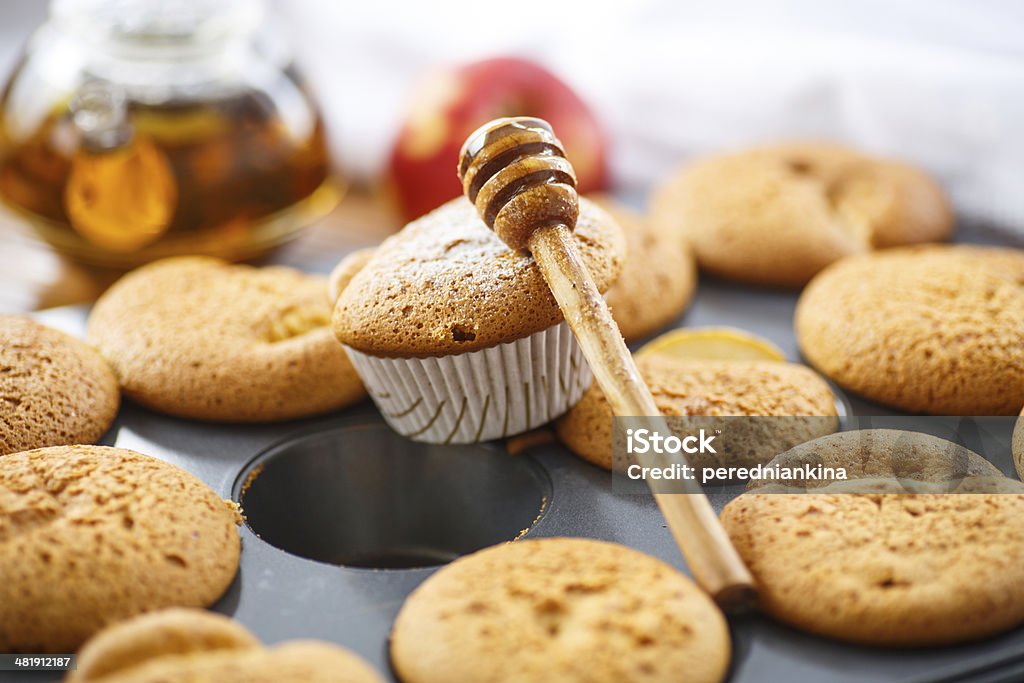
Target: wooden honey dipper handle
x,y
515,173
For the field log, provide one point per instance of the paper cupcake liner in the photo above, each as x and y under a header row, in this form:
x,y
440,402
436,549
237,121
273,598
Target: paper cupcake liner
x,y
487,394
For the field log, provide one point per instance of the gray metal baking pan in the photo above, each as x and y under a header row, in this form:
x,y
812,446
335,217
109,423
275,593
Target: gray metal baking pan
x,y
344,489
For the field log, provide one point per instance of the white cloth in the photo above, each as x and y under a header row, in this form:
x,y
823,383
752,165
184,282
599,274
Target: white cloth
x,y
939,83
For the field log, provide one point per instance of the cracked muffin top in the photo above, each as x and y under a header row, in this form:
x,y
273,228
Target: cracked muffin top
x,y
777,215
90,535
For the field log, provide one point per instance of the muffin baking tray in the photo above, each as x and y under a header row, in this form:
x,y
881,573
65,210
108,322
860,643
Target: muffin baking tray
x,y
351,518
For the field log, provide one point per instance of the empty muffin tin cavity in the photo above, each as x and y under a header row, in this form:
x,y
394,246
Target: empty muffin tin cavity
x,y
363,496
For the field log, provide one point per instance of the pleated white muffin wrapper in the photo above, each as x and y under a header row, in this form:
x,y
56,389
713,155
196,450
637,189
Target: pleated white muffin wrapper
x,y
481,395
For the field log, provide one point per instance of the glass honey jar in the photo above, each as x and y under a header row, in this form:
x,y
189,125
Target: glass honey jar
x,y
132,130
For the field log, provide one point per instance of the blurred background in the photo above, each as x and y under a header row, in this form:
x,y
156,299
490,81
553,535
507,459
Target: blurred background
x,y
635,90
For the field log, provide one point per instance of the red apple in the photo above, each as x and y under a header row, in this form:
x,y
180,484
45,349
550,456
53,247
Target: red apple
x,y
451,104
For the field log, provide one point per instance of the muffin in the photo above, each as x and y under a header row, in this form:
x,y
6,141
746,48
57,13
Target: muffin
x,y
90,535
201,338
573,610
922,546
777,215
933,329
457,337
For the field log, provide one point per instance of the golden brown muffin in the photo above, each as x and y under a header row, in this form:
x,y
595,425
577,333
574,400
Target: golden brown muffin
x,y
90,535
657,280
192,645
888,569
54,389
682,387
447,285
559,609
201,338
933,329
777,215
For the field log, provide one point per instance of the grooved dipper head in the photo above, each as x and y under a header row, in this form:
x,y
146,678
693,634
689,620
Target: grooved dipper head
x,y
515,172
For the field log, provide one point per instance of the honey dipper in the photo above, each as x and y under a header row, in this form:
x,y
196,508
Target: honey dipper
x,y
515,173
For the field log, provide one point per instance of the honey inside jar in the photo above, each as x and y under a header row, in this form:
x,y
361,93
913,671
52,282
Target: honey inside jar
x,y
138,157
